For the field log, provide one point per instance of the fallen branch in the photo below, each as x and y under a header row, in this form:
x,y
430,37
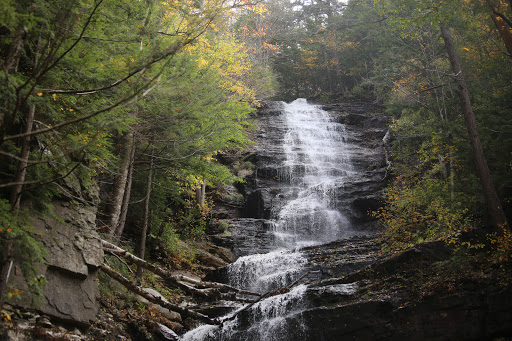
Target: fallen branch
x,y
157,300
119,259
176,279
203,284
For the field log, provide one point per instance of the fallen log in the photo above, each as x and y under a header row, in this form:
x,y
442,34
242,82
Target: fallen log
x,y
221,286
157,300
175,279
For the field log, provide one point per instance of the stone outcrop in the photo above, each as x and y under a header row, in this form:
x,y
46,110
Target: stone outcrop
x,y
405,297
73,257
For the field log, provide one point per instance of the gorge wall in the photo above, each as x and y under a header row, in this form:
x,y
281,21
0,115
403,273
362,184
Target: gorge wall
x,y
73,256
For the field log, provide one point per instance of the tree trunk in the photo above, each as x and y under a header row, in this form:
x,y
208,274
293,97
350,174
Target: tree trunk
x,y
492,200
13,58
23,160
126,197
120,182
5,269
172,278
329,77
142,245
201,193
338,69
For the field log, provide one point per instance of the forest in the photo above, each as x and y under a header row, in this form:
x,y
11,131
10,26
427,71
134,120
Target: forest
x,y
144,110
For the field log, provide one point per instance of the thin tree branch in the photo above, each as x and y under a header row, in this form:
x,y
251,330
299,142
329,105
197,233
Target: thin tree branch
x,y
43,181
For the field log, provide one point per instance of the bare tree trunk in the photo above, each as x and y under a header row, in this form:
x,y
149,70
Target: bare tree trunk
x,y
142,245
120,182
5,270
23,160
329,76
173,278
126,198
13,58
336,57
338,70
493,202
201,193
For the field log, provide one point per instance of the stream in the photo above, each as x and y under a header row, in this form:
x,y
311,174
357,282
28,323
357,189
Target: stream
x,y
309,165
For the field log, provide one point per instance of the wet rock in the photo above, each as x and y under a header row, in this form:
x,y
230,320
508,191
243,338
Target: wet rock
x,y
13,335
247,236
344,256
210,260
383,301
259,203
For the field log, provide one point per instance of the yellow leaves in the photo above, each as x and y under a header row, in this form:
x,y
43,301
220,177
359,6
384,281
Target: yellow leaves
x,y
132,60
202,63
416,210
6,318
229,59
502,245
54,96
14,293
309,58
260,9
39,94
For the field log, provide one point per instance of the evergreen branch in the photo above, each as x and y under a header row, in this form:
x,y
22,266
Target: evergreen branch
x,y
44,181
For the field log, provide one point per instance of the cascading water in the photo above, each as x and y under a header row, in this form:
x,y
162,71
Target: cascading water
x,y
316,162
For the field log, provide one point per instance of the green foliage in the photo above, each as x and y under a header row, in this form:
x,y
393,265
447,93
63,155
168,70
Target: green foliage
x,y
420,211
435,194
25,251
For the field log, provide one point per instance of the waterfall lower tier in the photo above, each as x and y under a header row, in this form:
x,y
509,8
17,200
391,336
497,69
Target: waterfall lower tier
x,y
266,320
298,200
264,272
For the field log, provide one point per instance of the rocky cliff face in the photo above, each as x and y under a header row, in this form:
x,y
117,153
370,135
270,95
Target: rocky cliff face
x,y
406,296
263,190
74,255
355,291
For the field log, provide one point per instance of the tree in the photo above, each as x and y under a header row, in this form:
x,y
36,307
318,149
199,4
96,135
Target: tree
x,y
493,202
79,77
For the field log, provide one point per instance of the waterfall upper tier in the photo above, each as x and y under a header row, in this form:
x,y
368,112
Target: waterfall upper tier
x,y
311,169
317,174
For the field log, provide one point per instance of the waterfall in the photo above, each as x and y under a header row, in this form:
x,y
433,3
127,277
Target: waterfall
x,y
315,165
317,160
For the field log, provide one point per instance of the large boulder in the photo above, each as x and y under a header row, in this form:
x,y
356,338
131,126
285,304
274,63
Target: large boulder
x,y
73,256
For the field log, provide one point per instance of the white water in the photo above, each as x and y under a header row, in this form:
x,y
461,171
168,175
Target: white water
x,y
264,272
317,161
